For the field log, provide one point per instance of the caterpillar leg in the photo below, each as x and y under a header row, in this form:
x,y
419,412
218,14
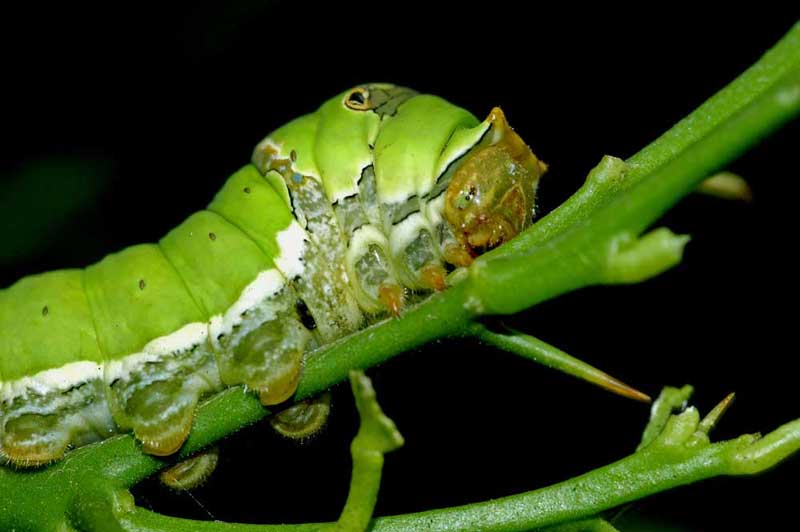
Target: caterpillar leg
x,y
265,351
192,472
391,296
161,415
416,253
40,428
372,275
157,400
32,439
269,360
457,255
303,420
433,276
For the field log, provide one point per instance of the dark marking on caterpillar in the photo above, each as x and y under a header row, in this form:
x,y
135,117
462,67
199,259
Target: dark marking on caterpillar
x,y
277,283
305,316
358,99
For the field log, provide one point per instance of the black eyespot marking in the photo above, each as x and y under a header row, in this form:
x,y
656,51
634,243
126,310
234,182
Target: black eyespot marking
x,y
45,311
212,236
246,190
293,155
141,284
358,99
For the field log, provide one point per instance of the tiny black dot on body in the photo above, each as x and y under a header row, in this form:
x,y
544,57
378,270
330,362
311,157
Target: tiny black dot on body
x,y
141,284
45,311
305,315
293,155
247,190
212,236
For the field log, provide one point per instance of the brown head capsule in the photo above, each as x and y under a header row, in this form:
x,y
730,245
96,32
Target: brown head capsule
x,y
491,196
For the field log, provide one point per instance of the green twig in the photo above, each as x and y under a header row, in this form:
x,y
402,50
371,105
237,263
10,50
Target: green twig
x,y
633,260
672,459
670,400
504,281
376,437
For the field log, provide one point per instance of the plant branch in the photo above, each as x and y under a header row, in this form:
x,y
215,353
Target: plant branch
x,y
671,399
376,437
503,280
575,246
607,180
673,458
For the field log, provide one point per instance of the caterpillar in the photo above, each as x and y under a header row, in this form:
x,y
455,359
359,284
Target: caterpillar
x,y
344,216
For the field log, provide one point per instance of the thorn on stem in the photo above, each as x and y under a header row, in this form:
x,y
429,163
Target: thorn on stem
x,y
713,417
620,388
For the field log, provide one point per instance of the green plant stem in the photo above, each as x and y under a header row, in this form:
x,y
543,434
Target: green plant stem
x,y
781,59
670,399
450,312
504,282
443,314
670,456
571,248
376,436
605,182
629,479
667,463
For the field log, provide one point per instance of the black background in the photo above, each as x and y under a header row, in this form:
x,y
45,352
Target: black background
x,y
142,112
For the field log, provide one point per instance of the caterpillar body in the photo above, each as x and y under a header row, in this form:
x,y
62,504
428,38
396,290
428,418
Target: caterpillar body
x,y
344,216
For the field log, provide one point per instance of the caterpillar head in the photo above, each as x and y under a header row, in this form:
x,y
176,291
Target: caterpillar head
x,y
491,196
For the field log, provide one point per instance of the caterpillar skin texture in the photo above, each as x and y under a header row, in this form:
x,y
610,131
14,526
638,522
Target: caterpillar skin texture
x,y
344,216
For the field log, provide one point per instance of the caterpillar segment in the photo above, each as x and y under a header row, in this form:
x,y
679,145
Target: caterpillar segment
x,y
346,215
57,397
386,167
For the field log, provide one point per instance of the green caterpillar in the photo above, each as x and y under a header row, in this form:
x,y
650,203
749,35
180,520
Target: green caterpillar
x,y
345,215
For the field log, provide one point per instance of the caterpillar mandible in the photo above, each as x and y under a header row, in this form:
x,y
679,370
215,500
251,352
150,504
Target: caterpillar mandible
x,y
344,216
